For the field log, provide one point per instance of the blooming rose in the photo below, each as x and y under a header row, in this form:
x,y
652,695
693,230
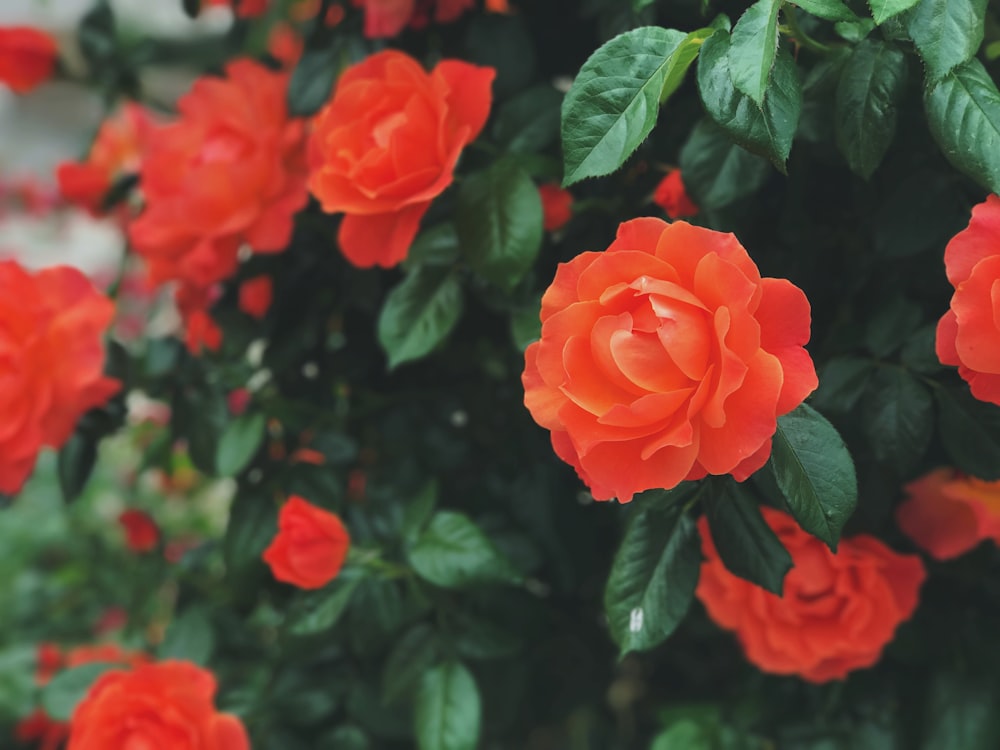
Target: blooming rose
x,y
51,362
256,295
557,206
667,357
671,196
141,531
27,57
968,333
387,144
164,705
310,546
837,612
948,513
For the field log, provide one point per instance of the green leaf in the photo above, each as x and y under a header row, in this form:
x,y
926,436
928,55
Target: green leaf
x,y
482,639
746,544
752,48
189,637
653,577
313,78
813,469
419,313
437,246
499,219
960,712
766,130
75,465
898,417
452,552
970,432
252,525
680,60
829,10
946,33
855,31
317,612
883,10
889,327
239,443
872,84
418,511
526,324
529,121
716,171
842,383
61,696
417,651
448,709
615,99
191,8
963,112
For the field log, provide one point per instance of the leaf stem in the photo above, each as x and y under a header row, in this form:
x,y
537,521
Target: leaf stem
x,y
796,33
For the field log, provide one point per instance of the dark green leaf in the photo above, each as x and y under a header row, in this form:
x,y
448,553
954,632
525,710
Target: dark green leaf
x,y
482,639
413,654
813,469
348,738
872,83
252,525
419,313
746,544
76,463
452,552
898,417
529,122
961,713
653,577
970,432
830,10
317,612
766,130
918,353
842,382
963,111
189,637
947,33
437,246
96,36
615,100
313,79
716,171
448,709
888,328
61,696
500,223
526,325
752,48
883,10
191,7
418,511
239,443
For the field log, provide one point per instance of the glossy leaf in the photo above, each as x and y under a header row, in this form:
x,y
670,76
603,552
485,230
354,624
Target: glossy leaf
x,y
419,314
448,709
898,417
453,552
946,33
830,10
970,432
716,171
883,10
752,49
239,443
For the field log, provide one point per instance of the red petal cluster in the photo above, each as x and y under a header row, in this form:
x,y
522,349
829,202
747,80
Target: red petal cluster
x,y
310,547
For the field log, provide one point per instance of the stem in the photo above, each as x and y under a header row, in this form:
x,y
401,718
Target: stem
x,y
801,37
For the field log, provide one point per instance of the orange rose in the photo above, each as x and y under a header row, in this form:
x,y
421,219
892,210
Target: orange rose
x,y
27,57
557,206
967,334
837,613
117,150
387,144
671,196
51,362
167,705
947,513
310,546
667,357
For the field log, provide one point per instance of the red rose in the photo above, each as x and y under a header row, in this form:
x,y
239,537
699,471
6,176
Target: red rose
x,y
967,334
837,613
256,295
557,206
387,18
310,546
27,57
667,357
163,705
671,196
51,362
948,513
387,145
141,531
40,728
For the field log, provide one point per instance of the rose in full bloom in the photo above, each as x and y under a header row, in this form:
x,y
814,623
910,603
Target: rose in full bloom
x,y
836,614
557,206
141,532
27,57
671,196
169,704
947,513
51,362
310,546
386,145
255,296
230,173
117,151
968,333
665,358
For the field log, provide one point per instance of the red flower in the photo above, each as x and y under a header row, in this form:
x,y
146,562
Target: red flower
x,y
117,150
141,531
167,705
27,57
557,206
666,357
947,513
837,613
310,547
387,145
256,295
51,362
387,18
50,661
244,8
42,729
967,334
671,196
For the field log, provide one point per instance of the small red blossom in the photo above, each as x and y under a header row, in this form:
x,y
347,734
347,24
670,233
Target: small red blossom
x,y
27,57
672,197
256,295
557,206
141,532
310,546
